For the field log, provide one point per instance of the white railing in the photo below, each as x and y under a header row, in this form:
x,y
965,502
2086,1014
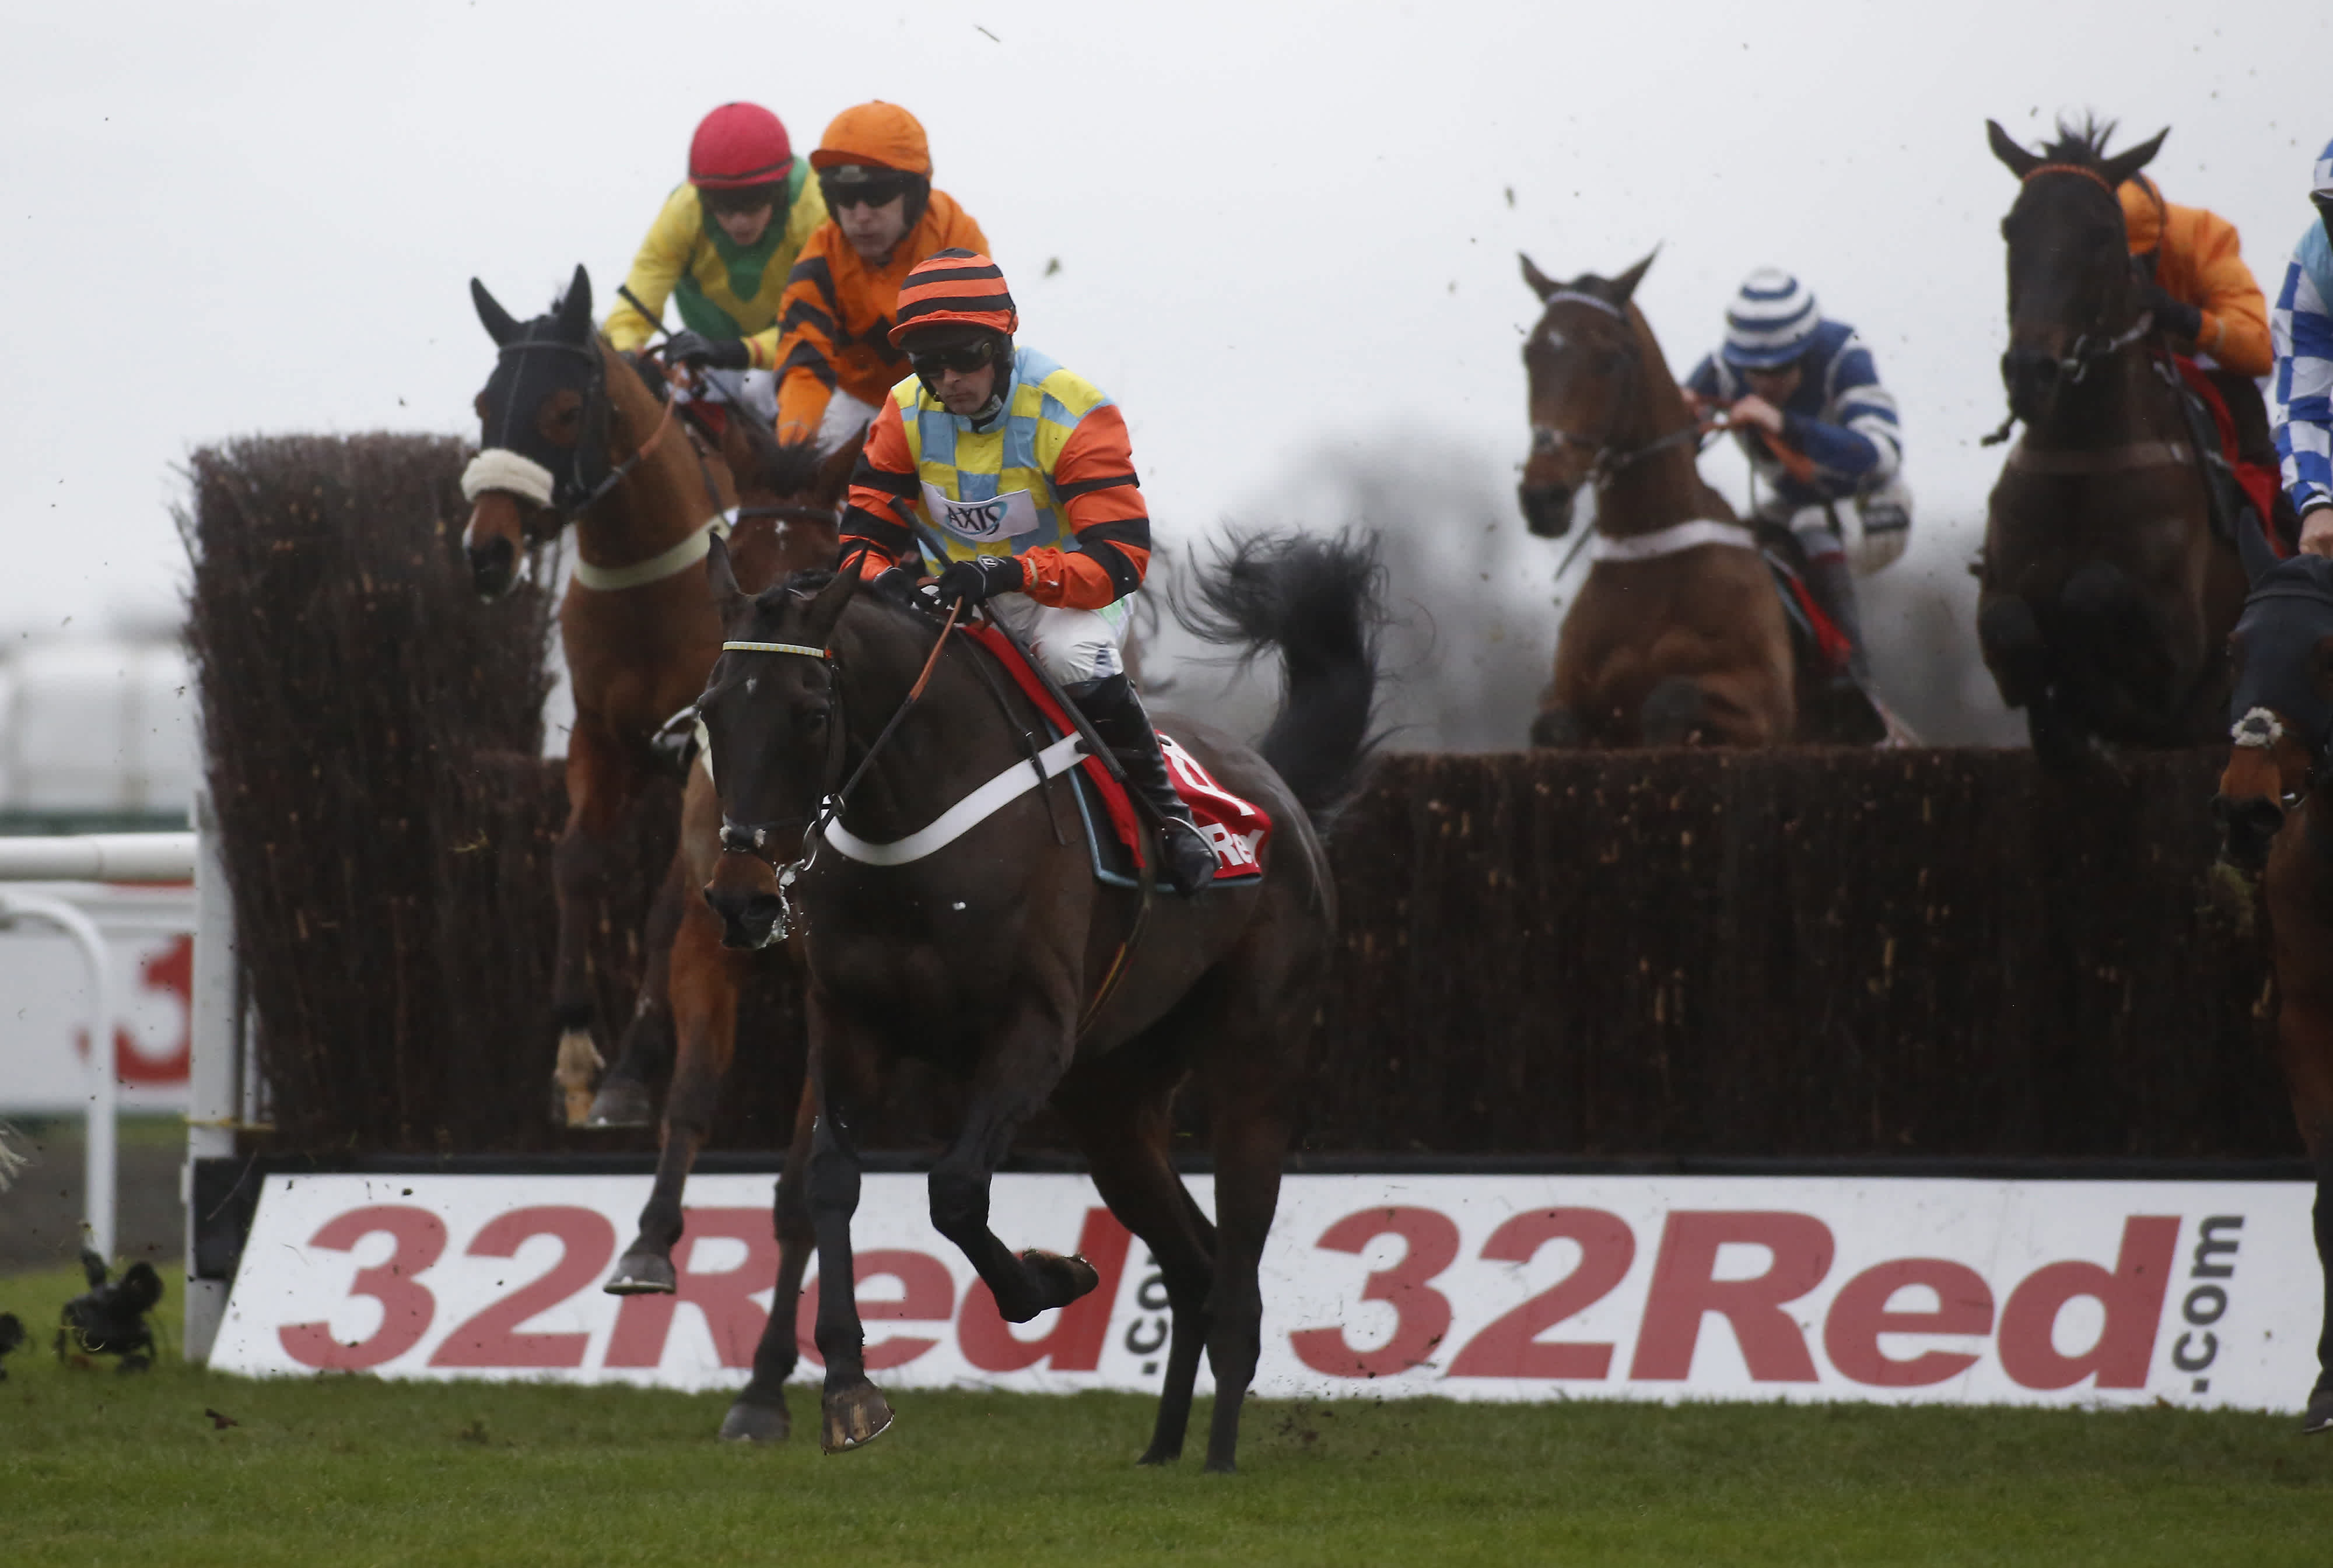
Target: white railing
x,y
92,857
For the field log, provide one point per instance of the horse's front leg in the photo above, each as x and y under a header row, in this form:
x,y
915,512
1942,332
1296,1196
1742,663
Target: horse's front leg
x,y
627,1096
853,1412
601,785
758,1414
1014,1077
705,978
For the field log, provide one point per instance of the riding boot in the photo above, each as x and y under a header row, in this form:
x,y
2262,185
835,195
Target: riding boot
x,y
1114,710
1832,583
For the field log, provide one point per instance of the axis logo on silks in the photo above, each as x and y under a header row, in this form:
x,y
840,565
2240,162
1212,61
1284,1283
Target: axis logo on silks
x,y
1497,1287
1006,516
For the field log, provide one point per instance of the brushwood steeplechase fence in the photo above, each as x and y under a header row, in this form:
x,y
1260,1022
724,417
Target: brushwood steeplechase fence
x,y
1799,953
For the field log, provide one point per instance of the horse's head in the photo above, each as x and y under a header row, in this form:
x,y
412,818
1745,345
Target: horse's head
x,y
2281,701
794,488
1582,362
2072,294
543,431
774,736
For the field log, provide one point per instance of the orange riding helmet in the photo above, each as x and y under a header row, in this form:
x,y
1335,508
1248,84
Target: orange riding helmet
x,y
955,287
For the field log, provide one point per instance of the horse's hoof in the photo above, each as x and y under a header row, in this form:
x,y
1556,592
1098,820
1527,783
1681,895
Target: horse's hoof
x,y
580,1065
2319,1418
622,1103
642,1273
1060,1280
853,1419
1154,1455
754,1423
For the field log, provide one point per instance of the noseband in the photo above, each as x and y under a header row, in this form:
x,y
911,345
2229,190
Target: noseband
x,y
1604,462
590,474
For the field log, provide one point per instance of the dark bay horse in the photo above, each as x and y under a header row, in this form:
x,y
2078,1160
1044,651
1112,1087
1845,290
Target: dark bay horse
x,y
2105,599
986,957
1677,634
571,433
2276,828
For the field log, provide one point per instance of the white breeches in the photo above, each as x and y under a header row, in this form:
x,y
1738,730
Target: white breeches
x,y
846,416
756,392
1074,646
1882,526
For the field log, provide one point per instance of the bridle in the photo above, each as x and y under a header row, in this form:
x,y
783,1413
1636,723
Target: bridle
x,y
2088,349
753,839
1605,462
590,474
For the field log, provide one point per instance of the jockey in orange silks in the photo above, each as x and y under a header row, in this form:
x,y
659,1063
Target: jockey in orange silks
x,y
1012,481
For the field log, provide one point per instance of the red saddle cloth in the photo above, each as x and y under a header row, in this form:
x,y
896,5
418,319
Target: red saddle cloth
x,y
2259,481
1238,828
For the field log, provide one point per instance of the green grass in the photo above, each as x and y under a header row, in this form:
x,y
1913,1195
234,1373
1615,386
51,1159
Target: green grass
x,y
345,1471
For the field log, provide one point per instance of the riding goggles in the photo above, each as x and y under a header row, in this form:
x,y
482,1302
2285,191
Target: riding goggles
x,y
958,357
735,199
849,185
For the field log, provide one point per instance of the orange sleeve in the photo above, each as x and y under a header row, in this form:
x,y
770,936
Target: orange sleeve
x,y
2235,314
808,314
1094,484
879,521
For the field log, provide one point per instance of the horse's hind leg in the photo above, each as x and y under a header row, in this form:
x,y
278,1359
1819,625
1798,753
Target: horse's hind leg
x,y
1015,1075
1122,1111
759,1412
706,977
627,1096
1675,713
601,787
1557,726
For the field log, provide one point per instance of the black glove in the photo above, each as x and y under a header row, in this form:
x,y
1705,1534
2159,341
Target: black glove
x,y
975,583
695,348
898,584
2171,316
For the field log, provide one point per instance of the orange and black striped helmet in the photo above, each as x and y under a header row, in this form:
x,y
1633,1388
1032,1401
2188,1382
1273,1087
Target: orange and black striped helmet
x,y
955,287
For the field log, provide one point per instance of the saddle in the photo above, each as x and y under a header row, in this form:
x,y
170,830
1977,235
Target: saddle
x,y
2233,484
1236,829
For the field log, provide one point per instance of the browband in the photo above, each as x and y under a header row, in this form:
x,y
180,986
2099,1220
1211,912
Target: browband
x,y
807,652
1574,297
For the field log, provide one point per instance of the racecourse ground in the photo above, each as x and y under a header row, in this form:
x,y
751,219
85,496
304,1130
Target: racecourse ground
x,y
345,1471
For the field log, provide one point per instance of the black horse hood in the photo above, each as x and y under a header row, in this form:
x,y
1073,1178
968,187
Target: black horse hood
x,y
2284,648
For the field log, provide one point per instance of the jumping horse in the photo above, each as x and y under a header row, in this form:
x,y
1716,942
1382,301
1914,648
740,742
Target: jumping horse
x,y
2276,828
1677,634
569,433
1002,959
2105,598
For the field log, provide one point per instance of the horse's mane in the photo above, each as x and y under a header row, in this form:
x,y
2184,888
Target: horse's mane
x,y
2083,145
780,468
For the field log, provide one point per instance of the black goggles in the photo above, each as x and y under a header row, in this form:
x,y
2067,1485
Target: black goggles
x,y
734,199
959,356
875,190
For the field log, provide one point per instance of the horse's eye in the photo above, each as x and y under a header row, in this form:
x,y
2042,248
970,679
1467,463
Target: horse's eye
x,y
1607,361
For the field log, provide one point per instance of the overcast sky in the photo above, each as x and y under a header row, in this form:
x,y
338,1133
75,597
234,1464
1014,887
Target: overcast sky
x,y
1277,224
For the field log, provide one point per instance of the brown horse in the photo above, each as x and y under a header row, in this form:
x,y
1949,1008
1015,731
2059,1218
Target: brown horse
x,y
1677,634
2282,704
571,433
2106,598
988,955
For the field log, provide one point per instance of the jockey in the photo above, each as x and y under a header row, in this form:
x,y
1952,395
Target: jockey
x,y
724,244
2302,329
1012,480
1804,401
2206,301
839,361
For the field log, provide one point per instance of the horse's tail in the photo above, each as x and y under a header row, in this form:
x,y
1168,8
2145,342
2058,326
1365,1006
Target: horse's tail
x,y
1317,600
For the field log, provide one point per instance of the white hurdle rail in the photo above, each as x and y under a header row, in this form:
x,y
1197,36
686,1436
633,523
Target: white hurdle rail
x,y
92,857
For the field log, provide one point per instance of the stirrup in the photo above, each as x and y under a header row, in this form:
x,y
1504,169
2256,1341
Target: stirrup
x,y
1176,837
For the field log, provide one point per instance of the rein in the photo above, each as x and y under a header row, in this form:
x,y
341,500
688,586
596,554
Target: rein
x,y
597,407
1604,464
2087,351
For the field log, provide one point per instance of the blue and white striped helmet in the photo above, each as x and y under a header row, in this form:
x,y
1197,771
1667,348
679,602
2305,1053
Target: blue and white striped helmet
x,y
1769,320
2321,186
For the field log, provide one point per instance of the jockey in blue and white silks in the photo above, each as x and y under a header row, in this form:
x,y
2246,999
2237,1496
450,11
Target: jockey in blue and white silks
x,y
1805,402
2301,407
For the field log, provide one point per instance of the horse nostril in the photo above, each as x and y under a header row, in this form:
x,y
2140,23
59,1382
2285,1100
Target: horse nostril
x,y
2247,828
492,566
1545,508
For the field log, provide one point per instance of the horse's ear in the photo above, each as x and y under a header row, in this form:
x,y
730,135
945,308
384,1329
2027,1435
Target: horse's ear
x,y
2131,159
2019,161
1541,283
1626,283
500,325
729,601
827,608
575,307
2252,546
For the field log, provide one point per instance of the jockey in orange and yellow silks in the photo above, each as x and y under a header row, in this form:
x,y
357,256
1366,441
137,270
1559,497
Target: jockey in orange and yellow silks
x,y
1011,479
